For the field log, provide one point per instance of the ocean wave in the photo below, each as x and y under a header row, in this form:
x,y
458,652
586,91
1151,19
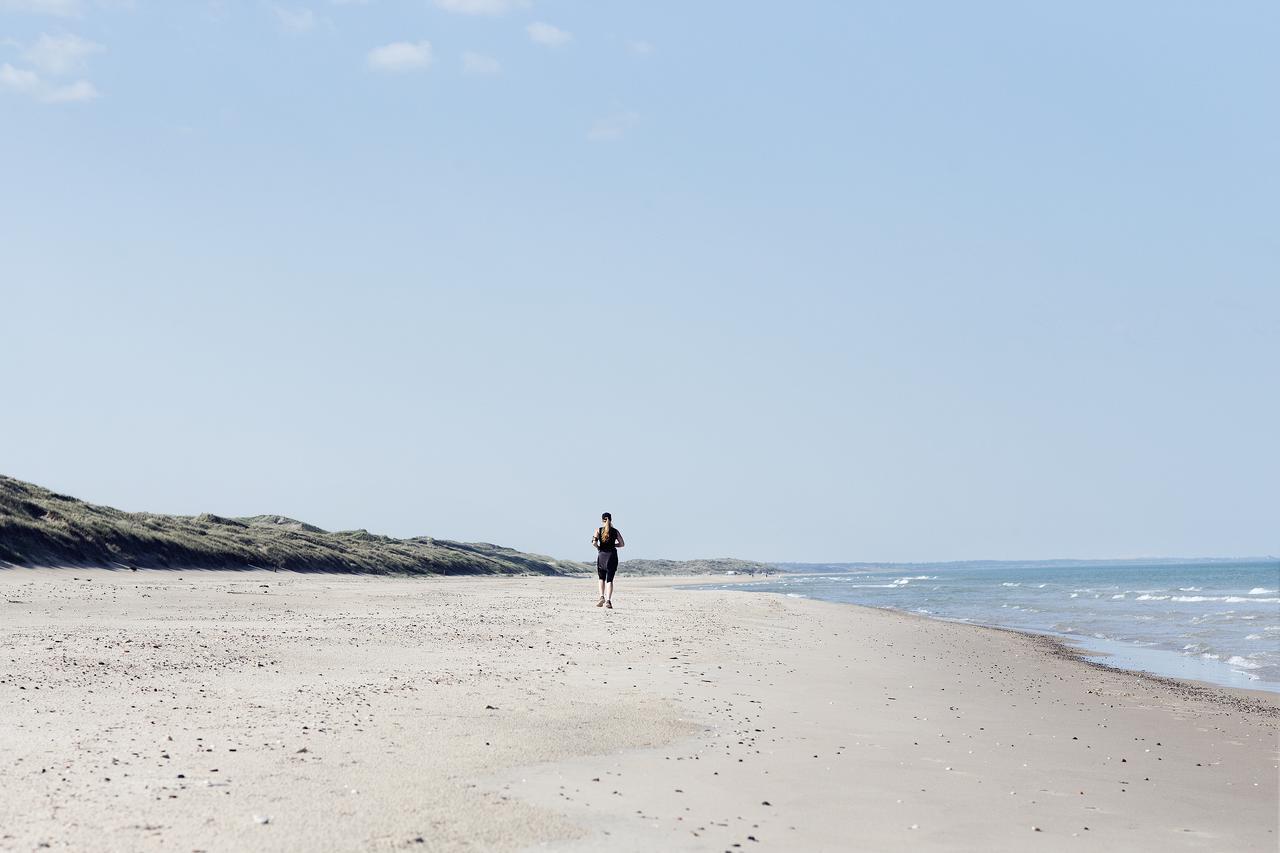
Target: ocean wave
x,y
1243,663
1190,589
1261,590
875,586
1229,599
1006,583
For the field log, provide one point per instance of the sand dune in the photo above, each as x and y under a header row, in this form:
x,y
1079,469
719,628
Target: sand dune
x,y
271,711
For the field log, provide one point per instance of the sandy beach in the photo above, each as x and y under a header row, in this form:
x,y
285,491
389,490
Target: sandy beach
x,y
211,711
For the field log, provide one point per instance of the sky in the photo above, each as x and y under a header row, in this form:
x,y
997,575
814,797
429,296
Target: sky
x,y
815,281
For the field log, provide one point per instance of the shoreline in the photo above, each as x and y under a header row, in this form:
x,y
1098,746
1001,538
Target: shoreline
x,y
1264,701
358,713
1078,645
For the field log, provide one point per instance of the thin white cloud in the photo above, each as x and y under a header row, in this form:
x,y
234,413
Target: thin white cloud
x,y
64,8
60,55
478,63
481,7
296,20
57,8
640,47
614,127
401,56
547,34
53,57
81,90
19,80
23,81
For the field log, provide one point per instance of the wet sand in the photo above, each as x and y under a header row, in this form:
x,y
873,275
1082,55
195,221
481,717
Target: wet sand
x,y
234,711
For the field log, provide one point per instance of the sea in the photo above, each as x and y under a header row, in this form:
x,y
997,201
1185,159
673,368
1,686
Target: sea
x,y
1216,621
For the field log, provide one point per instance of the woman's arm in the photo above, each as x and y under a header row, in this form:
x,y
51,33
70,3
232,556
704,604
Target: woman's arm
x,y
620,543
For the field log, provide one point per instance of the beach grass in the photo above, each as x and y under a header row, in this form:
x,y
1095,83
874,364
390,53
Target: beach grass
x,y
41,527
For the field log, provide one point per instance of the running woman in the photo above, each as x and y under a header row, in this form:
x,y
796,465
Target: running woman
x,y
607,539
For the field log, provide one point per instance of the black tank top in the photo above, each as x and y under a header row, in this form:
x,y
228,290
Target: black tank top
x,y
611,544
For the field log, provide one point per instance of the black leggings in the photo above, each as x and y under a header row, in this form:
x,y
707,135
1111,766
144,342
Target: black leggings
x,y
606,565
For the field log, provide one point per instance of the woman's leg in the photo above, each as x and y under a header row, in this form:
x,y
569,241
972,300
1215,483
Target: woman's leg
x,y
608,593
602,587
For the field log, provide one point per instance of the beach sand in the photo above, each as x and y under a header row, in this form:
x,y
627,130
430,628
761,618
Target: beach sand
x,y
212,711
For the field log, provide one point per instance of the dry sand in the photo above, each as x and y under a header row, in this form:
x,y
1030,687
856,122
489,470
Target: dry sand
x,y
185,711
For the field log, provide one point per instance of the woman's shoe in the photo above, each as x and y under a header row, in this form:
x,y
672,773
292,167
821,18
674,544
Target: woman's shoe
x,y
600,603
608,605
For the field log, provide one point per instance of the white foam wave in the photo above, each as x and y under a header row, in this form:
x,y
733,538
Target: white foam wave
x,y
1243,663
1010,584
1229,599
1261,590
1190,589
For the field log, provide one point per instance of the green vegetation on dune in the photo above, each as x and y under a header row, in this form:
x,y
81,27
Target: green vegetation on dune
x,y
40,527
716,566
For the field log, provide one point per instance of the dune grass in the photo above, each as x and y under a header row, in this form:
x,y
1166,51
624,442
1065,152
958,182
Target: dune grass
x,y
40,527
712,566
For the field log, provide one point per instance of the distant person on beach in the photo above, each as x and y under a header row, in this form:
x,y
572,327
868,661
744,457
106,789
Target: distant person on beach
x,y
607,539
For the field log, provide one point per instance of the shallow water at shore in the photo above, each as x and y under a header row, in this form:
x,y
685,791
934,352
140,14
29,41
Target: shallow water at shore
x,y
1216,621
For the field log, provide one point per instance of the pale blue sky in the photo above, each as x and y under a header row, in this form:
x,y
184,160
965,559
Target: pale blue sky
x,y
803,281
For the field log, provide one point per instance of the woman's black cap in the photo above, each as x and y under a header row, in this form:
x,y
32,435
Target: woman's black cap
x,y
605,515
